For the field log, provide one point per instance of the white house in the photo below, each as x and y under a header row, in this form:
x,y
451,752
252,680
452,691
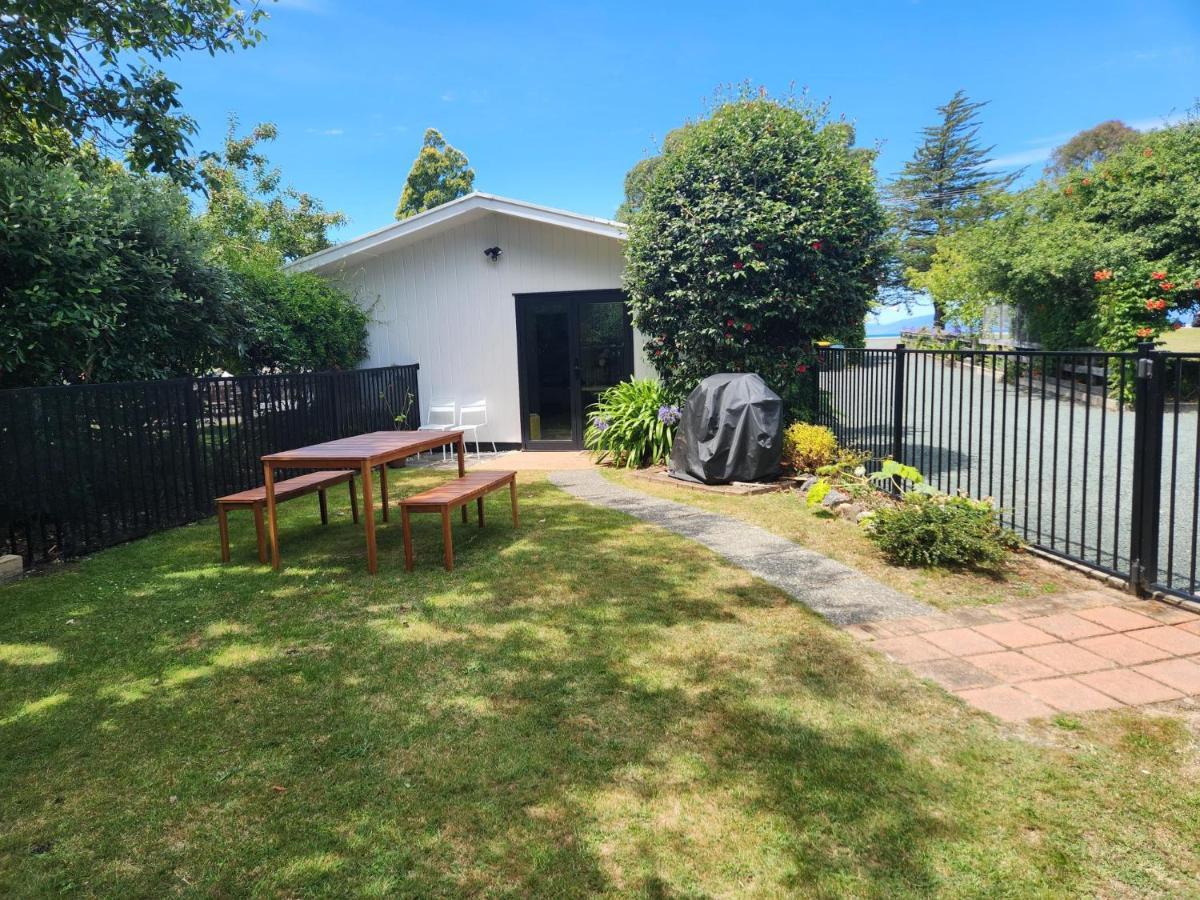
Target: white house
x,y
501,300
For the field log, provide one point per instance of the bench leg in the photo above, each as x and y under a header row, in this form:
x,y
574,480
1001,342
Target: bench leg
x,y
406,527
324,506
448,539
479,507
258,531
383,489
353,501
223,528
512,491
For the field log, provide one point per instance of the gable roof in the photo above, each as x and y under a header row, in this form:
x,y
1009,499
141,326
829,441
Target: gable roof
x,y
473,206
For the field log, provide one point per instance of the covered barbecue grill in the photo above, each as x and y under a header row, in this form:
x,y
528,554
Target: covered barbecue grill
x,y
730,429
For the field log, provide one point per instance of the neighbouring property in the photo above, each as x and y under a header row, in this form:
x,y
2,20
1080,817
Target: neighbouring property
x,y
501,300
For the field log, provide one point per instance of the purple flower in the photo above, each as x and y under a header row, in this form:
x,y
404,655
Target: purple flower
x,y
600,424
668,415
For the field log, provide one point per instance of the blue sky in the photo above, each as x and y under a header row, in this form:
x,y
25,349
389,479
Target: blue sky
x,y
553,102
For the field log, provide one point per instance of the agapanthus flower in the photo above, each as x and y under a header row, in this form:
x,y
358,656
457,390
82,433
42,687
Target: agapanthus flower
x,y
600,424
668,415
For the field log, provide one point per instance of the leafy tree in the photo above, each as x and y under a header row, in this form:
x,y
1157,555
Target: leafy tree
x,y
1090,147
250,213
1079,256
107,278
78,67
439,174
638,178
759,233
946,186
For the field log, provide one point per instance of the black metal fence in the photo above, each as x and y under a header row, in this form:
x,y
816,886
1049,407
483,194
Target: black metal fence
x,y
89,466
1094,457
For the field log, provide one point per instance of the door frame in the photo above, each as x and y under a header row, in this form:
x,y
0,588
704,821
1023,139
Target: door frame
x,y
574,300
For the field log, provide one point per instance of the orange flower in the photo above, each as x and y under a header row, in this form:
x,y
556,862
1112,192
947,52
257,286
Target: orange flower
x,y
1161,304
1069,191
1147,153
1151,305
1102,274
1145,332
1086,182
1167,285
1158,276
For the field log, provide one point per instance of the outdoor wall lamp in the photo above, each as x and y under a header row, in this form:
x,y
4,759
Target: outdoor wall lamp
x,y
493,253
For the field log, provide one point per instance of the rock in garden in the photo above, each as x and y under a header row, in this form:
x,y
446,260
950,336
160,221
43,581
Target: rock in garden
x,y
833,498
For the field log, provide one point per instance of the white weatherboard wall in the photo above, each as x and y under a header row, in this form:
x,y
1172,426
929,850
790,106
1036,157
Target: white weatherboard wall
x,y
441,303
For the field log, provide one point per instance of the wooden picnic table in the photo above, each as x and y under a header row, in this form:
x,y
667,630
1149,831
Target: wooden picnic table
x,y
361,453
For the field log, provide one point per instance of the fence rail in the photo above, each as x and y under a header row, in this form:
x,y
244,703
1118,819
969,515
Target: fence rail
x,y
1091,456
89,466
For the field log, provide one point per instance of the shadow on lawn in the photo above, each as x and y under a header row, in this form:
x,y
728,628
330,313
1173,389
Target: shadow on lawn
x,y
585,704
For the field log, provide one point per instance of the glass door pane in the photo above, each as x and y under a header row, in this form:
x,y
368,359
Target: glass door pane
x,y
605,356
548,372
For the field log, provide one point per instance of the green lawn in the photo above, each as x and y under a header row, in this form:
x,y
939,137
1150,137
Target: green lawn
x,y
587,705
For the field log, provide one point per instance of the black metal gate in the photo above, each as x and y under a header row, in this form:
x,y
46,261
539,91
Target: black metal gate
x,y
1091,456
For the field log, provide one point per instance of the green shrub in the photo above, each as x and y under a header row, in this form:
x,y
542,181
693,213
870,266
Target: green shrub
x,y
633,424
937,530
760,231
808,447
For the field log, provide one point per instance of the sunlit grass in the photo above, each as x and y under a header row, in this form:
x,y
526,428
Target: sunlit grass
x,y
585,706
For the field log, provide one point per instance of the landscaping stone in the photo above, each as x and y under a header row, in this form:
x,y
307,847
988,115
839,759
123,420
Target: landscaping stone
x,y
840,594
11,566
833,498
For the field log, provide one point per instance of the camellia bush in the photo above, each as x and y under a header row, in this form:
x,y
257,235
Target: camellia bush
x,y
759,233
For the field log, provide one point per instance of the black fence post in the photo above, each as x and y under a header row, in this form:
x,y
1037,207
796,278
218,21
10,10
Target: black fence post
x,y
898,404
1148,403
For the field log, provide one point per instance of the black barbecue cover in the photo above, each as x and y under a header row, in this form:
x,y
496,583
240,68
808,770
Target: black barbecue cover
x,y
730,429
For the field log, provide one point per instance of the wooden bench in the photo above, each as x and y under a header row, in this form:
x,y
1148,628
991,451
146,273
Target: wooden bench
x,y
445,498
256,498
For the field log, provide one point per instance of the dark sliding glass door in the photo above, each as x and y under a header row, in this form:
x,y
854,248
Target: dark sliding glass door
x,y
570,347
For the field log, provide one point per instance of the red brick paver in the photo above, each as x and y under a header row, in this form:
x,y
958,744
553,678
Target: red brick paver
x,y
1007,703
1067,626
1016,634
1078,653
1171,638
963,641
1068,658
1129,687
1069,695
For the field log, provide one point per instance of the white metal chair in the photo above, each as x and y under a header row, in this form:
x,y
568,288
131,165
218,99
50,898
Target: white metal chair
x,y
477,411
441,418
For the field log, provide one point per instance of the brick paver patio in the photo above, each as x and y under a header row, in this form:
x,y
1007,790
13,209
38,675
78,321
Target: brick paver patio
x,y
1032,659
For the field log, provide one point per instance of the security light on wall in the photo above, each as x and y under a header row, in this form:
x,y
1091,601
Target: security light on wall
x,y
493,253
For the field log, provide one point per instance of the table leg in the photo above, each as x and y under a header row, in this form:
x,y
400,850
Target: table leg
x,y
447,539
406,527
353,501
512,490
368,490
324,503
479,507
383,489
223,528
272,518
460,447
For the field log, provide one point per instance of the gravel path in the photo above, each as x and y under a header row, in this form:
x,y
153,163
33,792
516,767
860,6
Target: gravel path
x,y
837,592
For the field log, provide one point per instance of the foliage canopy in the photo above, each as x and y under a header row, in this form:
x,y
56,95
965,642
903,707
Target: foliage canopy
x,y
439,174
760,232
76,69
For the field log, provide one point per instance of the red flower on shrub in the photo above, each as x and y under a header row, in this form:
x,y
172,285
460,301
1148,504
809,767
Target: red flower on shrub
x,y
1145,332
1147,153
739,265
747,327
1161,305
1167,285
730,322
1069,190
1158,276
1151,304
817,245
1102,274
1086,182
801,368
